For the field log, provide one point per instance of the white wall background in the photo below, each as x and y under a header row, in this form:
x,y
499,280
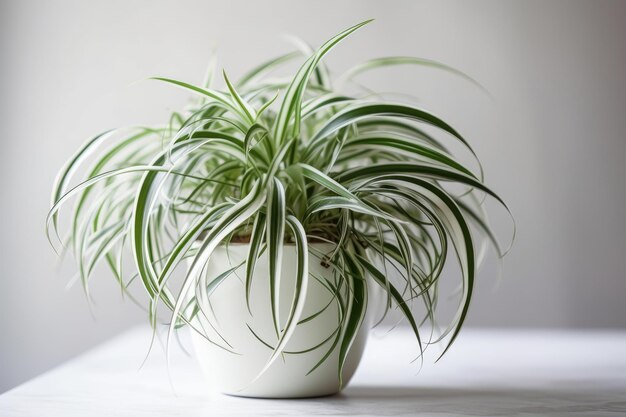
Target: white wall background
x,y
553,144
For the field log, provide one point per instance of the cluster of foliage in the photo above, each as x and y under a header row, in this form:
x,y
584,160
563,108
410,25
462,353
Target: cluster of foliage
x,y
284,161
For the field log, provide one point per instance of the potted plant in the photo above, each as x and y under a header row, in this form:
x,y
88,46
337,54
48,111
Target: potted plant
x,y
294,211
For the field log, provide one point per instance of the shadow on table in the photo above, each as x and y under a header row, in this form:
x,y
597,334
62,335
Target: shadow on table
x,y
483,401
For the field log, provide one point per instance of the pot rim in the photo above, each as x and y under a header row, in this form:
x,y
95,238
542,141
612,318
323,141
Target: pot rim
x,y
285,244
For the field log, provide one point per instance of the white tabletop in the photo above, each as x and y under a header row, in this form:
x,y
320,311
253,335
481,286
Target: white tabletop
x,y
486,373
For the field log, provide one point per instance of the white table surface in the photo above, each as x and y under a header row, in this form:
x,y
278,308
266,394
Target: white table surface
x,y
487,373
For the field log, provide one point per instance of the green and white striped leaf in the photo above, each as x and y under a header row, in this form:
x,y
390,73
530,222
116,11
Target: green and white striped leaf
x,y
275,230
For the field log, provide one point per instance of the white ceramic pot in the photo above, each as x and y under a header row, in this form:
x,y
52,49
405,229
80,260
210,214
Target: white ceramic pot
x,y
228,315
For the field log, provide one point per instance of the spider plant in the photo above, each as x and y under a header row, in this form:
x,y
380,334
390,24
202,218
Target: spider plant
x,y
277,161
